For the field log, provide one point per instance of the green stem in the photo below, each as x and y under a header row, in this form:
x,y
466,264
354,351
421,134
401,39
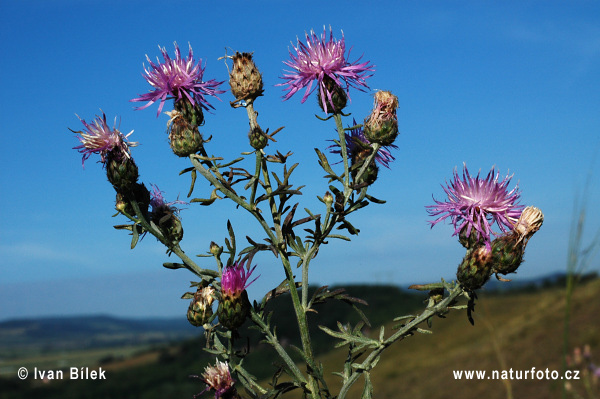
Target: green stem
x,y
176,249
272,339
256,176
400,334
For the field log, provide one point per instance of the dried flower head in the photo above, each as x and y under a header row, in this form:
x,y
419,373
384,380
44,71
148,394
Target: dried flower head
x,y
356,142
381,126
529,222
98,138
475,204
322,60
218,378
235,278
179,78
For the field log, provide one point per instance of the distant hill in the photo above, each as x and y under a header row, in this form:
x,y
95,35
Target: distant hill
x,y
87,332
519,328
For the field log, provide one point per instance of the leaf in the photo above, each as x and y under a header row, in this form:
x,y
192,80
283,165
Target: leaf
x,y
374,200
368,389
136,237
194,174
174,266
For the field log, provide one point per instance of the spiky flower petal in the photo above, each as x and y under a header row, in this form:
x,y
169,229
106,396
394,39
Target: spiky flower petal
x,y
321,60
474,204
98,138
356,141
235,278
177,78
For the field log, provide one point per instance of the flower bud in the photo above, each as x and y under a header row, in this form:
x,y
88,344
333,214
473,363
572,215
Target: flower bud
x,y
381,126
192,114
200,309
508,250
139,193
245,79
475,269
339,98
328,198
184,138
470,240
258,138
168,222
233,310
122,172
215,249
358,159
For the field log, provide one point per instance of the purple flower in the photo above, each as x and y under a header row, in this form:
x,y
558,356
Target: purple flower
x,y
356,141
234,279
178,78
98,138
475,204
157,201
318,59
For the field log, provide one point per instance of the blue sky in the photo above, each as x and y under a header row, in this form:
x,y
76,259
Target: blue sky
x,y
511,84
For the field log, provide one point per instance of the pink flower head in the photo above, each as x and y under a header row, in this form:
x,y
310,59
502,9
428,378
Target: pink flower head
x,y
477,203
320,58
235,278
177,78
98,138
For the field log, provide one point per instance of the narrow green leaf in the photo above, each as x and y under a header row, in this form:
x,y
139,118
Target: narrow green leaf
x,y
136,236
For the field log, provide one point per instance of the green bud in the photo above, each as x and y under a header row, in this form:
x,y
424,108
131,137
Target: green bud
x,y
338,97
233,311
475,269
258,138
192,114
122,172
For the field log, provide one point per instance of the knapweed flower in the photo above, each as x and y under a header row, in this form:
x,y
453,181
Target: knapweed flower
x,y
474,204
357,142
165,215
234,305
218,378
323,61
179,78
98,138
157,201
235,278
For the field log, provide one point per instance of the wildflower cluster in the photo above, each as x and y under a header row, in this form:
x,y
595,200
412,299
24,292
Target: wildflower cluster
x,y
474,205
319,64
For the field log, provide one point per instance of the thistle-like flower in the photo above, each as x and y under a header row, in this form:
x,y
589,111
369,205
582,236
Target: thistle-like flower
x,y
165,215
218,378
179,78
324,61
357,142
474,204
234,305
235,278
97,137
